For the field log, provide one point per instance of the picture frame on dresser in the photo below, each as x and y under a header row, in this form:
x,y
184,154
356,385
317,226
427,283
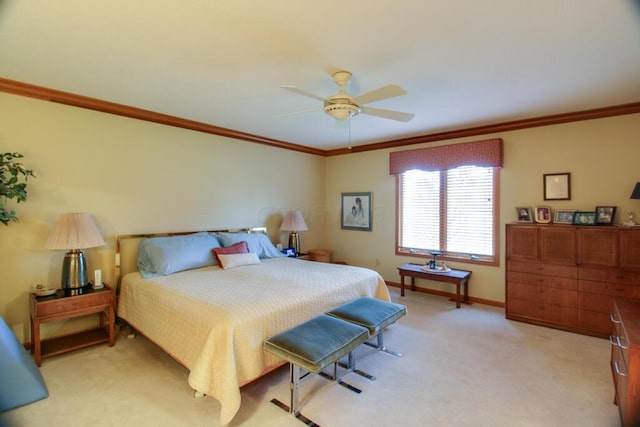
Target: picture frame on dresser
x,y
605,215
524,214
543,214
563,216
584,218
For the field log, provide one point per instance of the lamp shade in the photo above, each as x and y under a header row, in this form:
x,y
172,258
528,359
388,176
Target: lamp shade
x,y
293,221
635,194
74,231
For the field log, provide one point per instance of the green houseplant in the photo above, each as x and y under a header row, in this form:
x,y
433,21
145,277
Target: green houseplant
x,y
13,184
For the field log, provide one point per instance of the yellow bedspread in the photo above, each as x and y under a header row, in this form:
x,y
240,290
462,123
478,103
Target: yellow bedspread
x,y
215,321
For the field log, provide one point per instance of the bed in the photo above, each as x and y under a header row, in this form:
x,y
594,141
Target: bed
x,y
214,320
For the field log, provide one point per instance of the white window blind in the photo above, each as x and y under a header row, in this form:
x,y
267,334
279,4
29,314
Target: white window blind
x,y
420,212
469,210
451,210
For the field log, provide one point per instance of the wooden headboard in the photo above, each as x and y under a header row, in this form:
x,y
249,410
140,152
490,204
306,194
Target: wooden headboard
x,y
126,247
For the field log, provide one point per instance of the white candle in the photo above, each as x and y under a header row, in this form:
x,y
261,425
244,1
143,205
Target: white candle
x,y
97,283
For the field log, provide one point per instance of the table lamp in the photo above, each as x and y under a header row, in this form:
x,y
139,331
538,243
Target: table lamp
x,y
635,195
294,222
72,232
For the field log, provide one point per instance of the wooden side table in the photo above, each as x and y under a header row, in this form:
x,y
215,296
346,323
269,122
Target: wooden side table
x,y
59,307
456,277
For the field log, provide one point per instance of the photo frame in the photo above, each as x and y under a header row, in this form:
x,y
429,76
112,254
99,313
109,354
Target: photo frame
x,y
524,214
356,211
557,186
584,218
543,214
563,216
605,215
290,252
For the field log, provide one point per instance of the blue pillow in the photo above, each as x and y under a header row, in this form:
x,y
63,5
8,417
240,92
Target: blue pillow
x,y
165,255
258,243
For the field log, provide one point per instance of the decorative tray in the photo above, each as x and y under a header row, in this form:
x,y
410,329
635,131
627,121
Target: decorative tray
x,y
43,292
437,270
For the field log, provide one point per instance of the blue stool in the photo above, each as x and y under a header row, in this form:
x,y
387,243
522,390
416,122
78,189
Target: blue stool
x,y
373,314
20,378
314,345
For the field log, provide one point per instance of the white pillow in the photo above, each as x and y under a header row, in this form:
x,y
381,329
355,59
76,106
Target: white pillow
x,y
238,260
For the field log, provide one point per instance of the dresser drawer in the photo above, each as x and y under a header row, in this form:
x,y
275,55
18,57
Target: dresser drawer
x,y
560,271
625,358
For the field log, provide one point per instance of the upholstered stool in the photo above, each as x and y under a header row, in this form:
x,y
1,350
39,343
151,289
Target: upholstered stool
x,y
314,345
373,314
20,379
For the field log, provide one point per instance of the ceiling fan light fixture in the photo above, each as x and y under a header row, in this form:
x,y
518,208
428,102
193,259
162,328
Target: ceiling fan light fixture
x,y
341,111
342,105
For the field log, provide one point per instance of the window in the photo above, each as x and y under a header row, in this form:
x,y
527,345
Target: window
x,y
447,200
450,210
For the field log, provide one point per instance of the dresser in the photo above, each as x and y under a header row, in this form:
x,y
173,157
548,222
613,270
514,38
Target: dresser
x,y
566,277
625,359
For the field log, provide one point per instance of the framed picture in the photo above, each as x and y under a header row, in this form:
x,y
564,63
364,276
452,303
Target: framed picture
x,y
543,214
356,211
605,215
564,216
524,214
584,218
557,186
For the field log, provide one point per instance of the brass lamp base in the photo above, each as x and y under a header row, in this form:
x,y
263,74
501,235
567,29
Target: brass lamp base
x,y
294,242
74,270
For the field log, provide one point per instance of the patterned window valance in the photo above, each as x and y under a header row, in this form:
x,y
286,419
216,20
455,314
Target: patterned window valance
x,y
487,153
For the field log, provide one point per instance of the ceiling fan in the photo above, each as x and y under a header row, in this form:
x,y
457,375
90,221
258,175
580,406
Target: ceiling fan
x,y
342,105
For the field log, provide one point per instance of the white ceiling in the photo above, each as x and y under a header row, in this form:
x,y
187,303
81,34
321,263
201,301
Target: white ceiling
x,y
463,63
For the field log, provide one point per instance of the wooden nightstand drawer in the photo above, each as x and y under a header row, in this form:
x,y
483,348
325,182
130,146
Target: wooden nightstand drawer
x,y
73,303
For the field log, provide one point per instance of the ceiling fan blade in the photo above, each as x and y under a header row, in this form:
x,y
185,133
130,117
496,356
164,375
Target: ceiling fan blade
x,y
311,110
387,114
302,92
384,92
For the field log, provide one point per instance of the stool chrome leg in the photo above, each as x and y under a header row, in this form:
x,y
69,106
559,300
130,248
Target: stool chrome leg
x,y
351,366
380,346
294,392
294,374
338,378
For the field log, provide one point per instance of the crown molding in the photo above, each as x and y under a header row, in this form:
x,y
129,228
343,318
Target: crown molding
x,y
71,99
67,98
598,113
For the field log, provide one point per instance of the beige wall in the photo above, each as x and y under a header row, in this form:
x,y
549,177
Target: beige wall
x,y
601,155
133,177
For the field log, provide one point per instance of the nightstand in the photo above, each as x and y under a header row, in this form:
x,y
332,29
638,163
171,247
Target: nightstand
x,y
59,307
320,255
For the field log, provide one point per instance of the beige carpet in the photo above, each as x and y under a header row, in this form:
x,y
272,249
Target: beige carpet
x,y
467,367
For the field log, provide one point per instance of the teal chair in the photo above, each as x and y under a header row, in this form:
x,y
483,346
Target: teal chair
x,y
20,379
